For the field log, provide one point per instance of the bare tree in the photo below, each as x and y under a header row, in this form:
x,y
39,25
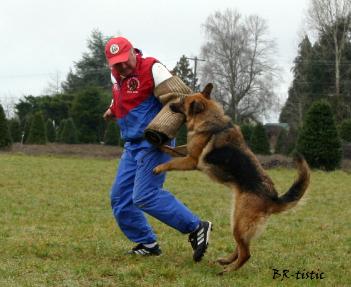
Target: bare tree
x,y
238,56
54,85
8,104
325,16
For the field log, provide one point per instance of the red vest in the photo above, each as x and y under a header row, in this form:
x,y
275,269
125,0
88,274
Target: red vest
x,y
130,92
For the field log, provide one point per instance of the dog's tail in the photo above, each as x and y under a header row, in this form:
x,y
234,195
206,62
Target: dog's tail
x,y
297,190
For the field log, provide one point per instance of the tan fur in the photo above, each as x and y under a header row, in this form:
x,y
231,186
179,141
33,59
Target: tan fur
x,y
210,133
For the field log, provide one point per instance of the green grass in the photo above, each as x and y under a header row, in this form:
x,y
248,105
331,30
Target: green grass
x,y
57,229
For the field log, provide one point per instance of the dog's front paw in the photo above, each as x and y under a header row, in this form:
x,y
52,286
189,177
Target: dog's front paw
x,y
158,169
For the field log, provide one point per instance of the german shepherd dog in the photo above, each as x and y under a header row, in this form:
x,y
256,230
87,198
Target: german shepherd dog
x,y
217,147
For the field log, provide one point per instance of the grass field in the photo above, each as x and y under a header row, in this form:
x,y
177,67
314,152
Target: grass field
x,y
57,229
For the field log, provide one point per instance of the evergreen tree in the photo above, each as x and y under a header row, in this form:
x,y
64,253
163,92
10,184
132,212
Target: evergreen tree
x,y
69,132
87,114
182,70
50,131
37,132
15,130
181,138
314,77
298,94
5,137
59,131
247,131
55,107
26,127
259,140
92,69
112,134
345,130
318,140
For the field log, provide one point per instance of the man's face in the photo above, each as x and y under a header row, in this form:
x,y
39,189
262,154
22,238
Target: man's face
x,y
126,68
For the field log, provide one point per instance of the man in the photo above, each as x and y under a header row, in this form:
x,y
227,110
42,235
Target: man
x,y
136,189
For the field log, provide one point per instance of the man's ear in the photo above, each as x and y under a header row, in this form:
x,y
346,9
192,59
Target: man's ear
x,y
207,90
196,107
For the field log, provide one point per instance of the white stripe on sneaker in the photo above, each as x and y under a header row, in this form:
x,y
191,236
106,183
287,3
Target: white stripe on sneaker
x,y
200,237
200,241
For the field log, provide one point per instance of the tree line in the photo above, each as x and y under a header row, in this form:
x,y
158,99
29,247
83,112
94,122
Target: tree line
x,y
239,60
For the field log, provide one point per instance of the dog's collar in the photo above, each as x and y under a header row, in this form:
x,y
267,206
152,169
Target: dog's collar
x,y
217,130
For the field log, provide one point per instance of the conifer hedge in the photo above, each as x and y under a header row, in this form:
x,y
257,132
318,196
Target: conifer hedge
x,y
318,140
5,137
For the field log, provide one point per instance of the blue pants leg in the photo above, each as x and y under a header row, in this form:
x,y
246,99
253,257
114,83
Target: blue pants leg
x,y
149,195
130,219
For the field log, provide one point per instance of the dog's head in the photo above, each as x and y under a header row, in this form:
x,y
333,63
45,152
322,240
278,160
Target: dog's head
x,y
194,104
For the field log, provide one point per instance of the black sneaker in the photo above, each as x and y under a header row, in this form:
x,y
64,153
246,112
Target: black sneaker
x,y
140,249
199,239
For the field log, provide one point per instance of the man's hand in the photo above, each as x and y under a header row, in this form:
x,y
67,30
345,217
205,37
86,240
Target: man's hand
x,y
108,115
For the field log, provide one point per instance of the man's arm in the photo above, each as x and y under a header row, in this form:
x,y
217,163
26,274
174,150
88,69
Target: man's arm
x,y
160,73
109,113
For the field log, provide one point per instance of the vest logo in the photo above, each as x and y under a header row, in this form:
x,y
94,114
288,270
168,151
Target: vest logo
x,y
133,84
114,49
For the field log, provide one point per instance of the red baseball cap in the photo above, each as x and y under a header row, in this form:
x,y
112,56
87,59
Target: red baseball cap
x,y
117,50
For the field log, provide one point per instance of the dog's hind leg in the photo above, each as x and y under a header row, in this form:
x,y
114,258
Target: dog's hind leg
x,y
248,223
242,253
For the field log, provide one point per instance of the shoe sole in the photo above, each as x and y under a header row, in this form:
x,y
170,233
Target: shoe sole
x,y
209,232
143,255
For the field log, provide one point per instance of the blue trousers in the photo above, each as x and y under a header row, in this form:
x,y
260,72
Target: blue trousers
x,y
137,190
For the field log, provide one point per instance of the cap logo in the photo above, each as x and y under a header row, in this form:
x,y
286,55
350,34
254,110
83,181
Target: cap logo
x,y
114,49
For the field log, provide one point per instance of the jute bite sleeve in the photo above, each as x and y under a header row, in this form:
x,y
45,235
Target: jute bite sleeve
x,y
167,123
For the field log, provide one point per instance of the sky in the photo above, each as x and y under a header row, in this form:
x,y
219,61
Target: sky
x,y
41,39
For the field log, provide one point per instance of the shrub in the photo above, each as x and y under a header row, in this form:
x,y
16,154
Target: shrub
x,y
345,130
15,130
26,127
60,130
50,131
259,140
112,134
318,140
69,133
37,132
87,114
5,137
247,131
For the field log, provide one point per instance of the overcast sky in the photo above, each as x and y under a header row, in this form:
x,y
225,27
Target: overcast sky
x,y
42,38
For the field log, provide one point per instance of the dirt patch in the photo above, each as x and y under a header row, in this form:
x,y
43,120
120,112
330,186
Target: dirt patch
x,y
79,150
113,152
346,165
276,160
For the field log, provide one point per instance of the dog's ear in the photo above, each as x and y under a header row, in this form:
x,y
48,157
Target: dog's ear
x,y
207,90
196,107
